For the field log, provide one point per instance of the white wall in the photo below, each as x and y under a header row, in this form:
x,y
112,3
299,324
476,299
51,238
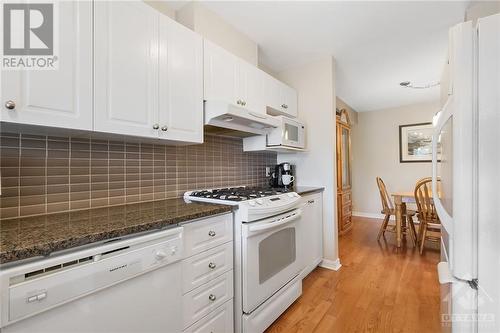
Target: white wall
x,y
315,84
478,9
205,22
375,152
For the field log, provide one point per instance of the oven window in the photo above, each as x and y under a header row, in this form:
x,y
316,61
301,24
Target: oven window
x,y
276,252
291,133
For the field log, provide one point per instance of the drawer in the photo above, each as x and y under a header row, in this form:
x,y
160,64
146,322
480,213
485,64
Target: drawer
x,y
218,321
346,209
208,233
346,222
199,302
203,267
346,198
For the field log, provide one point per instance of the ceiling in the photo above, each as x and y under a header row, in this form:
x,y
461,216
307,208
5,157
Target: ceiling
x,y
376,44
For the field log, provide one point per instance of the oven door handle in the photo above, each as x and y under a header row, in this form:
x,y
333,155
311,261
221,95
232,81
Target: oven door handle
x,y
278,222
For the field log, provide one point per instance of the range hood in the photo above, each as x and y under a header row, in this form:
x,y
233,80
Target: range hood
x,y
222,114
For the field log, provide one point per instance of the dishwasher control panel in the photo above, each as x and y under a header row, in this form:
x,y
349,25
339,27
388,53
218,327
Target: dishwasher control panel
x,y
110,265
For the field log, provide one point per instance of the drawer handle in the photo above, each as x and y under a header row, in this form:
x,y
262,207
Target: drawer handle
x,y
211,233
212,297
212,265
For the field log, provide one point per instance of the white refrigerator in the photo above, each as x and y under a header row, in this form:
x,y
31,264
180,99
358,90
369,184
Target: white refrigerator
x,y
466,160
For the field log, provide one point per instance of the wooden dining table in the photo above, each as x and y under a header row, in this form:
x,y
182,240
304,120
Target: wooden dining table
x,y
400,201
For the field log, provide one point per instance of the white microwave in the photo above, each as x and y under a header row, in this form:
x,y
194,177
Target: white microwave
x,y
290,133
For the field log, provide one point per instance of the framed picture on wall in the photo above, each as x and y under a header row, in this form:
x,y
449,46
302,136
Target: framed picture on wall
x,y
415,143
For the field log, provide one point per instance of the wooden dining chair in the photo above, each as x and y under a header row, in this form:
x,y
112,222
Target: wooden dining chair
x,y
430,226
388,210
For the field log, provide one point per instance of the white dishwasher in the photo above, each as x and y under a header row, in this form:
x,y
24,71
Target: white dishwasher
x,y
129,285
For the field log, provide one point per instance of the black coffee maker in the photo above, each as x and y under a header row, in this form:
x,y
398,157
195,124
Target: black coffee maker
x,y
280,170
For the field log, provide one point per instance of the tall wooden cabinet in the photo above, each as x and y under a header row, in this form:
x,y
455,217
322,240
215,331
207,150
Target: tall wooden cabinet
x,y
344,193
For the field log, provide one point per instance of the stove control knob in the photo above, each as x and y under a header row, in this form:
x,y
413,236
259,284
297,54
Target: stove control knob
x,y
260,201
251,203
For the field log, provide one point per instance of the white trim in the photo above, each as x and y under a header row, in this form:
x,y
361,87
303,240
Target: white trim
x,y
372,215
333,265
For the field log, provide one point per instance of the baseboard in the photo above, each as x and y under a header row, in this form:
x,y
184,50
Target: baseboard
x,y
333,265
372,215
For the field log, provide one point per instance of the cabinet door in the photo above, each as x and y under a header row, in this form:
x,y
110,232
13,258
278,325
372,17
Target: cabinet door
x,y
126,62
280,98
289,97
180,83
272,89
220,74
312,231
63,97
250,87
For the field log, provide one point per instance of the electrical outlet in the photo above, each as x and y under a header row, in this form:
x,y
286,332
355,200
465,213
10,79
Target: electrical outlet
x,y
268,172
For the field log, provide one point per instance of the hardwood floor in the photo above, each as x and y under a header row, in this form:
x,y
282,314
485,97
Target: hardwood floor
x,y
378,289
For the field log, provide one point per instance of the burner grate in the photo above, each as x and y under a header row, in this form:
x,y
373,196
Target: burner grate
x,y
235,193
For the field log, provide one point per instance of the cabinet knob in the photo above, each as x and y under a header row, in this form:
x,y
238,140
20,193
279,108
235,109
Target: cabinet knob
x,y
164,128
283,106
212,297
239,102
243,103
160,255
310,201
212,265
211,233
11,105
156,126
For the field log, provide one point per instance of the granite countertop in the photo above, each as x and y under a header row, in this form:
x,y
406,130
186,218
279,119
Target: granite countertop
x,y
29,237
301,190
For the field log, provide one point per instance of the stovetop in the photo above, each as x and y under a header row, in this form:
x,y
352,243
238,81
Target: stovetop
x,y
236,193
252,204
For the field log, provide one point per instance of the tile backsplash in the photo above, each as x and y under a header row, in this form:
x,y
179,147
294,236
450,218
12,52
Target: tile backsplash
x,y
45,174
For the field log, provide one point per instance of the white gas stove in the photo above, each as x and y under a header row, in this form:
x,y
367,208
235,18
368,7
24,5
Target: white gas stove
x,y
254,203
266,252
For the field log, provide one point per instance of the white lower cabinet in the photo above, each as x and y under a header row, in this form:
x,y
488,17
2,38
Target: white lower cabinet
x,y
311,230
203,300
219,321
203,267
208,276
209,233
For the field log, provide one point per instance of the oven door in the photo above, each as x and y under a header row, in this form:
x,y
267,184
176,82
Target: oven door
x,y
270,257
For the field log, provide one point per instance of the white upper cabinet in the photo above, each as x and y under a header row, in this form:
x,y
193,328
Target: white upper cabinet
x,y
181,83
280,99
220,74
148,73
232,80
289,97
62,97
250,88
126,68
